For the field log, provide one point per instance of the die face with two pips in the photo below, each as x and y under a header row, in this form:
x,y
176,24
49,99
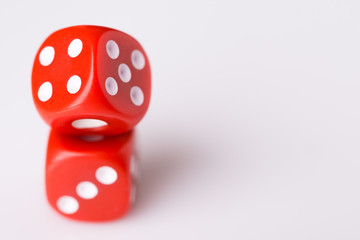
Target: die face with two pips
x,y
91,178
91,79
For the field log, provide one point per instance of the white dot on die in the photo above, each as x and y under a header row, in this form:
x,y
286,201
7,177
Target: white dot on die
x,y
137,96
73,84
45,91
75,48
88,123
112,49
124,72
47,56
137,59
67,204
86,190
106,175
111,86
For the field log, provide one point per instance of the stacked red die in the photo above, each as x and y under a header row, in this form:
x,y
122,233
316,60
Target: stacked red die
x,y
91,178
92,86
91,79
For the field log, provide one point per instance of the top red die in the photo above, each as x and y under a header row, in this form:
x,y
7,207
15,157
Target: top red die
x,y
91,79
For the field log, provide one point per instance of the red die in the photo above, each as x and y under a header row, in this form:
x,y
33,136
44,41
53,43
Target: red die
x,y
91,178
91,79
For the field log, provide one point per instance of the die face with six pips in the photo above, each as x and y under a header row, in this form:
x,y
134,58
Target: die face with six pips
x,y
92,86
91,79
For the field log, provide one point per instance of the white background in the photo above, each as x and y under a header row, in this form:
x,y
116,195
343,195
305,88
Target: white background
x,y
253,130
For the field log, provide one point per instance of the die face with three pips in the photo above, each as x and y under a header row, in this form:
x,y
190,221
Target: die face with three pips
x,y
92,86
91,79
91,178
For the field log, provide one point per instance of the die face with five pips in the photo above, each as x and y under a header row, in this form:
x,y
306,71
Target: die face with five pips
x,y
90,79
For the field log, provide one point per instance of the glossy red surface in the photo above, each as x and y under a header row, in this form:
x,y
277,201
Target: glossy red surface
x,y
119,103
91,178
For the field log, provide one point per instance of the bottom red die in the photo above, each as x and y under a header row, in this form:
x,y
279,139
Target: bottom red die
x,y
91,178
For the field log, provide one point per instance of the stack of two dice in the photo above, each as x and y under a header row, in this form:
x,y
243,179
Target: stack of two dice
x,y
92,86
